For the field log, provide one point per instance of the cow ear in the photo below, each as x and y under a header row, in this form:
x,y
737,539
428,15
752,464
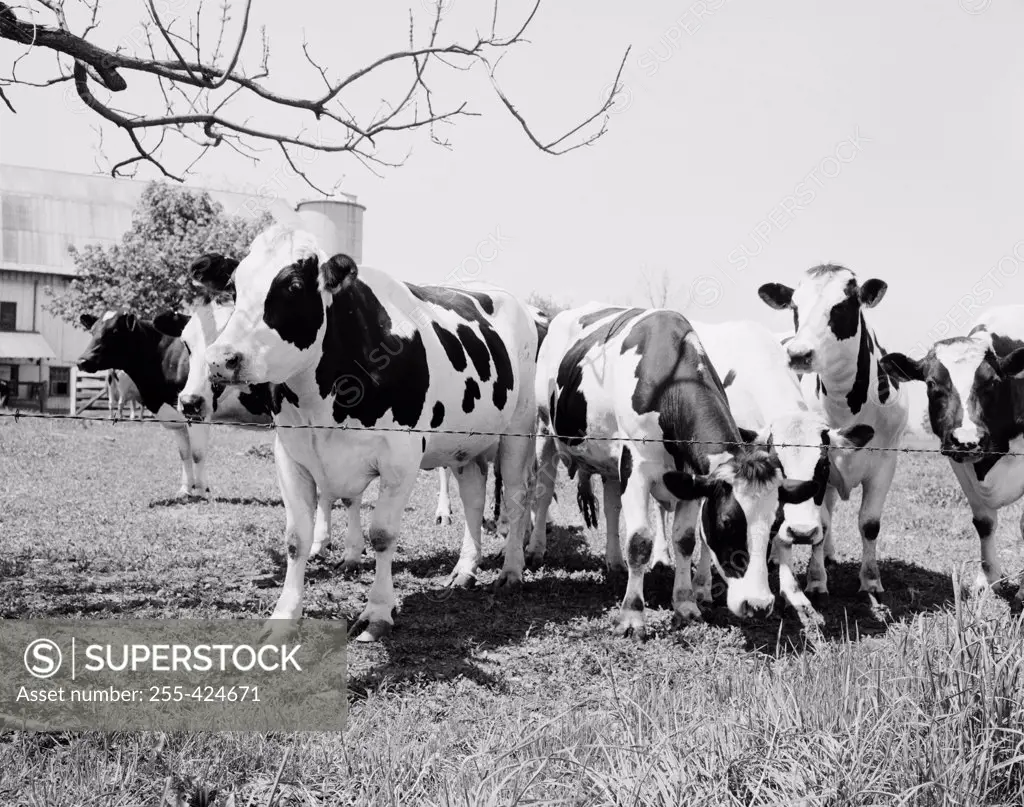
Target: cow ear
x,y
858,435
130,321
213,271
687,486
776,295
87,320
337,273
748,435
1012,363
170,323
903,367
871,292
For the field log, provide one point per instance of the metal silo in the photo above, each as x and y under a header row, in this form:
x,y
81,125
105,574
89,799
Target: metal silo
x,y
337,224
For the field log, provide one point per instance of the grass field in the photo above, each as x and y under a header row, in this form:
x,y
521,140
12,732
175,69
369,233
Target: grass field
x,y
528,700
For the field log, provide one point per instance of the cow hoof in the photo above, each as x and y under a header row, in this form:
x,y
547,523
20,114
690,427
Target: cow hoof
x,y
809,616
444,519
534,560
508,583
686,613
630,623
871,586
463,579
279,631
375,631
817,597
183,493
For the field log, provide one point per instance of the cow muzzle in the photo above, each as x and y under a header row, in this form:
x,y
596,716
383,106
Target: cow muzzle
x,y
960,450
192,406
756,609
801,357
802,533
88,364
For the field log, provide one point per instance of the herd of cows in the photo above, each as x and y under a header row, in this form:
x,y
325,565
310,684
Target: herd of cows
x,y
746,440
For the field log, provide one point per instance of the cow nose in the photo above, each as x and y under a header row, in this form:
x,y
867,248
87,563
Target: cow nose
x,y
191,405
802,535
799,356
751,609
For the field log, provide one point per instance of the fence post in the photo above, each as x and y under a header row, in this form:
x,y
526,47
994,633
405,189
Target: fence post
x,y
74,389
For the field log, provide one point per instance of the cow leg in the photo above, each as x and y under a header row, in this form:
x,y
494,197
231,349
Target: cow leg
x,y
615,566
444,502
789,586
876,488
639,546
181,436
472,490
396,486
321,525
817,577
684,543
514,457
543,490
662,554
354,540
1018,600
985,521
298,490
199,435
828,506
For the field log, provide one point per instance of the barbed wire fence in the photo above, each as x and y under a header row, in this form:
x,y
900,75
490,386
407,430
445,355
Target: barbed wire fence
x,y
17,416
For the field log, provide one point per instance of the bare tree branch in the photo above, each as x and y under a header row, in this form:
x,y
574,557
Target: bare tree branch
x,y
198,92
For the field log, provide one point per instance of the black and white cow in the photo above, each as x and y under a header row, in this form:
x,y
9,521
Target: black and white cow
x,y
121,390
765,397
158,364
631,395
843,381
418,376
976,408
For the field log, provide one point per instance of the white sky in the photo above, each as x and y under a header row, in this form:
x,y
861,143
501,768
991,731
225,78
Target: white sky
x,y
724,118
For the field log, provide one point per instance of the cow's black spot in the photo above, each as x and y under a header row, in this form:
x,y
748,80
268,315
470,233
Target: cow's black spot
x,y
1005,345
725,528
438,415
346,503
279,393
984,465
633,604
471,395
477,351
569,408
360,343
688,542
602,313
858,394
462,303
983,526
380,539
504,380
870,530
845,316
452,347
257,400
625,467
486,303
883,384
461,454
293,307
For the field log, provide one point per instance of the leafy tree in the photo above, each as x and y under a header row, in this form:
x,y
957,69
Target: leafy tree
x,y
546,303
146,272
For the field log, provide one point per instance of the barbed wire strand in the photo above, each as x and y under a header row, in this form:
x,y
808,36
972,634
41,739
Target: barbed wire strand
x,y
18,415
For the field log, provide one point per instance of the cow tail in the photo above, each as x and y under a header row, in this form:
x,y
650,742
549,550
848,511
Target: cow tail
x,y
497,491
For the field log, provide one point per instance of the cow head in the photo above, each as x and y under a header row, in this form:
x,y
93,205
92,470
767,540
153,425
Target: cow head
x,y
970,393
827,316
283,287
741,493
804,445
113,339
212,276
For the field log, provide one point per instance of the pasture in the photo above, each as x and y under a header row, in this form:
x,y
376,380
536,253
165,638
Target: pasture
x,y
529,700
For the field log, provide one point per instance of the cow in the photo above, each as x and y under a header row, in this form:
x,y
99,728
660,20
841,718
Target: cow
x,y
976,409
122,390
631,395
377,378
843,381
765,397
